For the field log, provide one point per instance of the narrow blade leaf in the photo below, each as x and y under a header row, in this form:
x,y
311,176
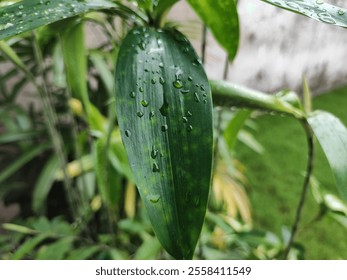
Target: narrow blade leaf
x,y
164,110
222,18
44,183
30,14
332,136
316,9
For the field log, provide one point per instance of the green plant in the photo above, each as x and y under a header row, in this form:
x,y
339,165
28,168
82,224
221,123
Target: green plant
x,y
173,102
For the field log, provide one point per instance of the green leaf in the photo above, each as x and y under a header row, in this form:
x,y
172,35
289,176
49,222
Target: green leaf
x,y
11,54
164,110
222,18
316,9
148,250
44,183
18,136
163,6
234,126
83,253
18,228
104,72
75,60
332,136
107,178
30,14
21,161
57,250
28,246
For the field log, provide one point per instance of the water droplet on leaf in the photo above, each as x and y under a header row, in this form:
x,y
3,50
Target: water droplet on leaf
x,y
162,80
144,103
184,91
155,167
177,84
164,127
154,198
154,152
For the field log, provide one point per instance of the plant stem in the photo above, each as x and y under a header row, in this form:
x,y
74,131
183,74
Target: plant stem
x,y
227,95
309,170
226,68
203,43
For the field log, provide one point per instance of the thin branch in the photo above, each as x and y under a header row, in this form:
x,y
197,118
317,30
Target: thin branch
x,y
226,68
203,43
306,184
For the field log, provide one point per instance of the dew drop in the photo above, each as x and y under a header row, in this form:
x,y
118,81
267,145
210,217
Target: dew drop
x,y
164,110
341,12
319,2
185,120
325,17
164,127
189,114
161,65
141,89
154,198
196,97
189,128
162,80
151,115
132,94
293,5
140,114
153,81
184,91
144,103
127,133
190,78
155,167
177,84
154,152
142,46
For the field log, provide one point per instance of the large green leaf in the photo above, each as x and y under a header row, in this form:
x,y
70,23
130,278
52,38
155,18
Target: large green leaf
x,y
332,136
164,110
316,9
30,14
222,18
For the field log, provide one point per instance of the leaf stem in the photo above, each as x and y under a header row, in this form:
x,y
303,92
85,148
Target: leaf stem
x,y
309,170
203,43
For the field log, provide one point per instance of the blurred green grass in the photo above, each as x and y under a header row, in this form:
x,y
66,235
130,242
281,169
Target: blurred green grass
x,y
276,177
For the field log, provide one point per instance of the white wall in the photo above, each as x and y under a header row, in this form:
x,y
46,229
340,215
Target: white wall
x,y
277,48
